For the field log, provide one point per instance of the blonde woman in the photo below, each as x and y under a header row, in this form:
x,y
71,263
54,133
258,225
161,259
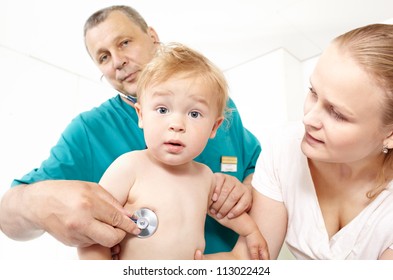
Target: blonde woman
x,y
325,187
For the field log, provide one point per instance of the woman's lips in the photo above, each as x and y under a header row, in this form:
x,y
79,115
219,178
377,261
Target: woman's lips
x,y
311,140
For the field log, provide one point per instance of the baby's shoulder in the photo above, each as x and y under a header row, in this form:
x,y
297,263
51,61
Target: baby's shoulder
x,y
137,154
133,158
202,168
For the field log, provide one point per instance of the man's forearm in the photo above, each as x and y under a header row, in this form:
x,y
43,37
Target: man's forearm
x,y
15,214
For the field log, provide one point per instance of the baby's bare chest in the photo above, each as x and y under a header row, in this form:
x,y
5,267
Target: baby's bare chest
x,y
181,208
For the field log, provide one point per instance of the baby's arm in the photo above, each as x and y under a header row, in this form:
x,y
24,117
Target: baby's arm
x,y
95,252
117,180
245,226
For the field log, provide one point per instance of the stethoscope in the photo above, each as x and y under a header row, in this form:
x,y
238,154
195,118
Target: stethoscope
x,y
146,220
129,97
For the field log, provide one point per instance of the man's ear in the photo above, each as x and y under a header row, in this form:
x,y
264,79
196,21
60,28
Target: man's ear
x,y
153,35
138,110
216,125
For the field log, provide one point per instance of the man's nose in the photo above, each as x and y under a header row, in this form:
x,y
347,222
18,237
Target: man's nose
x,y
119,61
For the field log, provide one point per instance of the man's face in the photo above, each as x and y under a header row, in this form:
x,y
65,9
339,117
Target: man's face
x,y
121,49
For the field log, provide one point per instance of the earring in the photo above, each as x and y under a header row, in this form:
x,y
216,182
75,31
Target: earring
x,y
385,150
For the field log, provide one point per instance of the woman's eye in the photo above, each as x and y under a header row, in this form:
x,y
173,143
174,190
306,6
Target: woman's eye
x,y
162,110
337,116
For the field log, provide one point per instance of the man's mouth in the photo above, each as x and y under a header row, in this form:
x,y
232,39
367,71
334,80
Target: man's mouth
x,y
130,77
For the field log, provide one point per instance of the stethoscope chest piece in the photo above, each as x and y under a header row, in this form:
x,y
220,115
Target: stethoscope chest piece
x,y
146,220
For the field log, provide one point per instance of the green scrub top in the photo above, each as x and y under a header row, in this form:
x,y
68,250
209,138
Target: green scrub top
x,y
94,139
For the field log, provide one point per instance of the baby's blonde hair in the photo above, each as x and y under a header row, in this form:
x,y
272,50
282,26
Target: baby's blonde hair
x,y
176,58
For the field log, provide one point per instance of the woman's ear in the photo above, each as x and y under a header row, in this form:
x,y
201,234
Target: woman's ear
x,y
138,110
388,141
216,125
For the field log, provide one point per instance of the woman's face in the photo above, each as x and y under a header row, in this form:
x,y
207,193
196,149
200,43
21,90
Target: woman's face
x,y
342,111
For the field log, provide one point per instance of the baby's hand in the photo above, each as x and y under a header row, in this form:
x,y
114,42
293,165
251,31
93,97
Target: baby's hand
x,y
257,246
198,255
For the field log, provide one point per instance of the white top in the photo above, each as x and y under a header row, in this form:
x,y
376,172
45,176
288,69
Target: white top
x,y
282,174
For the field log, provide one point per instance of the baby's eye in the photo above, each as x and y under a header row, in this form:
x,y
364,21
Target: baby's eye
x,y
162,110
194,114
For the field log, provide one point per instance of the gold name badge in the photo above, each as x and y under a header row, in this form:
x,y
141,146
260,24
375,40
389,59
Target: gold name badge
x,y
228,164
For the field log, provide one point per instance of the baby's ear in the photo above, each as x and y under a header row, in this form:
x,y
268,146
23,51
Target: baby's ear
x,y
217,124
139,113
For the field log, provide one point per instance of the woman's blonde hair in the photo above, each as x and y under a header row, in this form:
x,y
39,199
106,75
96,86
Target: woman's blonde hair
x,y
371,46
175,58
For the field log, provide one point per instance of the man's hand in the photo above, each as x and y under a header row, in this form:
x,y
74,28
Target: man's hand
x,y
231,197
74,212
83,214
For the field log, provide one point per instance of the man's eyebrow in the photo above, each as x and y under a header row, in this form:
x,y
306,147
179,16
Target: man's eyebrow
x,y
114,39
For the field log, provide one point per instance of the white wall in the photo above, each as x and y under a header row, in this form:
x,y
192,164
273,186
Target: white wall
x,y
267,91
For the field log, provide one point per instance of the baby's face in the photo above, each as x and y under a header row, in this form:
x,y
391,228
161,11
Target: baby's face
x,y
178,117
